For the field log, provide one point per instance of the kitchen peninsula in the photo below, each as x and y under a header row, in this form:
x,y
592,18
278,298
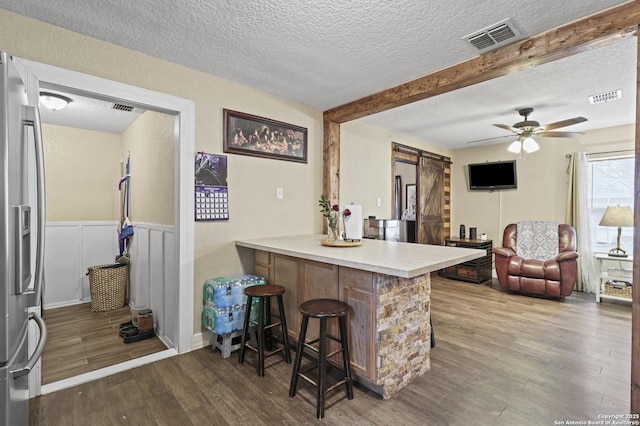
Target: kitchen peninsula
x,y
387,286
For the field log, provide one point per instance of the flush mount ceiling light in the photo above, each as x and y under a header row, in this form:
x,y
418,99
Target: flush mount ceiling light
x,y
54,101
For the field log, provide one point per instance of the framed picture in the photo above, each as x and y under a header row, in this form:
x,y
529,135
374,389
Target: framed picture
x,y
248,134
410,200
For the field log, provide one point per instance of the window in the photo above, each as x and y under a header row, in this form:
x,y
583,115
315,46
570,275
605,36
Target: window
x,y
612,181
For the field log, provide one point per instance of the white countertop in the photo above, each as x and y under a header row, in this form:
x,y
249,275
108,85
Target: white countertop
x,y
405,260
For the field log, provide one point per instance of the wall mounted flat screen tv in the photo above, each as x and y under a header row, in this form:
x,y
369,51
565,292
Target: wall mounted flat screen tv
x,y
492,176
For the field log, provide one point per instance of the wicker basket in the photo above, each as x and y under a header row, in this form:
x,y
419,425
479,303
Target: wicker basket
x,y
107,284
617,290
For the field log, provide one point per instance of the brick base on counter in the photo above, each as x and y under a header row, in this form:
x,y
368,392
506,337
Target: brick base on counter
x,y
404,334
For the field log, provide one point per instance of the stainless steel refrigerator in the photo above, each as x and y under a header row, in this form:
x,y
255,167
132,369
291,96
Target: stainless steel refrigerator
x,y
22,220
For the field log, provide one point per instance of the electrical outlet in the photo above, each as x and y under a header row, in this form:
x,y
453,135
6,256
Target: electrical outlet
x,y
279,193
378,202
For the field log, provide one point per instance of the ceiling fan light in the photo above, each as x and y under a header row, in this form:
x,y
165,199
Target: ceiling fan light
x,y
53,101
529,145
515,147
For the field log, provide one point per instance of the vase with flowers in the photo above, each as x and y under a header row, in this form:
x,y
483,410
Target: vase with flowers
x,y
333,214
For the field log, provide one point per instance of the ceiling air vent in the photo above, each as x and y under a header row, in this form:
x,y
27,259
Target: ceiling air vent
x,y
494,36
605,97
121,107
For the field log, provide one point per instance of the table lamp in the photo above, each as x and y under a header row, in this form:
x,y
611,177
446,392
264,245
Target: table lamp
x,y
617,216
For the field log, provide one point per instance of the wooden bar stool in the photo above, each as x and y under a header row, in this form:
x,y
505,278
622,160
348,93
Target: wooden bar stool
x,y
323,309
265,338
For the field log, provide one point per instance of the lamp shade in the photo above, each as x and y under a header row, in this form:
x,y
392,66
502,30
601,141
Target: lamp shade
x,y
529,145
617,216
515,147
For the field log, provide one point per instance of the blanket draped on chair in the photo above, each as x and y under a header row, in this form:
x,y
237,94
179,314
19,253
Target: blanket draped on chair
x,y
537,240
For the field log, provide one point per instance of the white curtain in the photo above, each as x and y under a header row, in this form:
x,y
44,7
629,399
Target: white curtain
x,y
577,215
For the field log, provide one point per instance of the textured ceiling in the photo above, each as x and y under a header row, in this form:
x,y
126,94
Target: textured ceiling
x,y
326,53
557,91
88,113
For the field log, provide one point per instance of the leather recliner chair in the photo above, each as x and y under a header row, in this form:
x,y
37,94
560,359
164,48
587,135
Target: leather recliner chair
x,y
553,278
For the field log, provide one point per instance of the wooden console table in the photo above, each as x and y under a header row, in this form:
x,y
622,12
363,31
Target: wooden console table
x,y
476,270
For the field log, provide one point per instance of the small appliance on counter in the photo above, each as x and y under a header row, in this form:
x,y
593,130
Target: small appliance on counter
x,y
373,228
386,229
392,230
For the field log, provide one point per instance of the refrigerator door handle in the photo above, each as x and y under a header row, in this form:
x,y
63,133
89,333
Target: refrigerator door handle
x,y
39,349
32,118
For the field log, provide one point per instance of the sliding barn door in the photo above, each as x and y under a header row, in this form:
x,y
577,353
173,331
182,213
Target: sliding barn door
x,y
433,201
430,217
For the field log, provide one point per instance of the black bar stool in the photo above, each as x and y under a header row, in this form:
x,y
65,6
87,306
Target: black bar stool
x,y
264,293
323,309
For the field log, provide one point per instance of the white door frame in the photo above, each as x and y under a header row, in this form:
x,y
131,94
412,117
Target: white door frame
x,y
184,111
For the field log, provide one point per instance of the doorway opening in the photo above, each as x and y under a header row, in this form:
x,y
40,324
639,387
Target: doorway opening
x,y
177,299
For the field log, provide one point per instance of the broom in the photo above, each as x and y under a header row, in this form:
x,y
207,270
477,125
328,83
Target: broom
x,y
125,230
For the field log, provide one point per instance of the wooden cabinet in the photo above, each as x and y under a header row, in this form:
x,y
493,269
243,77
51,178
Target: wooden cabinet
x,y
356,289
262,264
475,271
306,280
285,273
282,270
317,281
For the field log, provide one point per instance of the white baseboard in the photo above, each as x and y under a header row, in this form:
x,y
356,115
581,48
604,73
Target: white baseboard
x,y
66,303
107,371
200,340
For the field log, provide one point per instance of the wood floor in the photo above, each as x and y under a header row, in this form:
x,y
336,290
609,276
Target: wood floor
x,y
500,359
81,341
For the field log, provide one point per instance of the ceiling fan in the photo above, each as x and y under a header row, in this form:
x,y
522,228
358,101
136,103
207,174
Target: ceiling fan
x,y
525,130
530,127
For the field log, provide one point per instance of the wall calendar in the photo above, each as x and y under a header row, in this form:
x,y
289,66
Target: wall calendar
x,y
211,190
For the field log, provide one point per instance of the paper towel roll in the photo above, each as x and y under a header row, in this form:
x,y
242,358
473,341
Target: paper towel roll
x,y
352,225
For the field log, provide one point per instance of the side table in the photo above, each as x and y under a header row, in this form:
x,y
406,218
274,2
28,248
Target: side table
x,y
614,275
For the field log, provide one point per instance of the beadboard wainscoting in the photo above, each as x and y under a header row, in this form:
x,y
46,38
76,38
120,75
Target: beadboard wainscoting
x,y
154,277
72,247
